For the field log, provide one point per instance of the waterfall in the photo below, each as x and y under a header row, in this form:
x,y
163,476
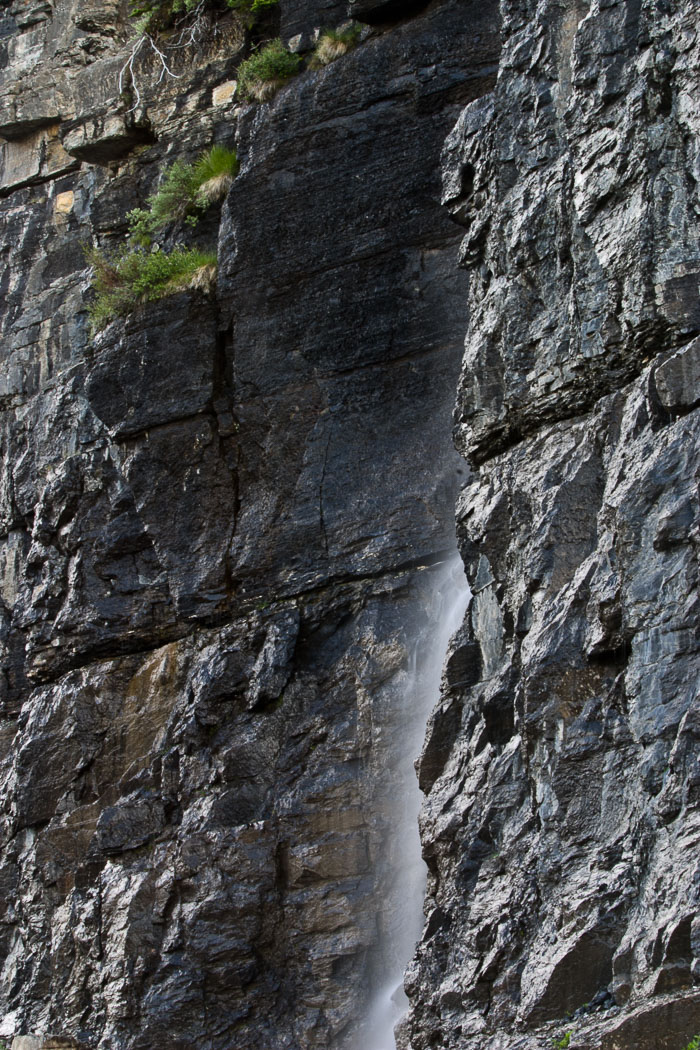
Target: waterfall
x,y
403,919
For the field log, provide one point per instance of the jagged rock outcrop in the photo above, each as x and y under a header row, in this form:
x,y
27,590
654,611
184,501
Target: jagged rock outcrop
x,y
562,820
218,518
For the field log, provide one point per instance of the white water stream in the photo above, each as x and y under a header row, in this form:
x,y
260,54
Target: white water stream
x,y
404,920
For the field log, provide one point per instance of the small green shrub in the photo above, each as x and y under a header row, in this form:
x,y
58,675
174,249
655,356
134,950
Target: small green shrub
x,y
333,43
159,273
562,1044
122,281
154,15
172,202
264,73
251,6
186,191
694,1043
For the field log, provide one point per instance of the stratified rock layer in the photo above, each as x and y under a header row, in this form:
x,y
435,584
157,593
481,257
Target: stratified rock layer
x,y
218,520
562,822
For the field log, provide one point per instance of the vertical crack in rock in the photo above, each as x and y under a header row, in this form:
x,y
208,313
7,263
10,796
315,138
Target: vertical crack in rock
x,y
322,523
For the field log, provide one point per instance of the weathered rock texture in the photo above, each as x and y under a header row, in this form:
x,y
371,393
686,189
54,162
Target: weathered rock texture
x,y
218,519
217,522
563,818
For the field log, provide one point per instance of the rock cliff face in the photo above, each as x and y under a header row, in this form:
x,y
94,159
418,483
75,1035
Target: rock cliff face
x,y
219,520
562,822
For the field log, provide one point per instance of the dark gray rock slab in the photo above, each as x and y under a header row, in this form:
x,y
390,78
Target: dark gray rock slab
x,y
156,367
341,397
572,183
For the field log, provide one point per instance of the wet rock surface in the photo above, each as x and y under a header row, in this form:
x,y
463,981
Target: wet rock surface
x,y
562,822
218,521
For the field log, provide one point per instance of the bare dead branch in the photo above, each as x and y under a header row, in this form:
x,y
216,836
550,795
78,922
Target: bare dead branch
x,y
128,67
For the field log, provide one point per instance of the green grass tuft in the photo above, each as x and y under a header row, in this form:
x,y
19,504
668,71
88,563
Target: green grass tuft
x,y
335,42
214,163
186,191
261,75
212,175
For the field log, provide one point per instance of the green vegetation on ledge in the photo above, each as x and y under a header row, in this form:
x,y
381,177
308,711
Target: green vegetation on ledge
x,y
186,191
335,42
154,15
123,281
212,174
264,73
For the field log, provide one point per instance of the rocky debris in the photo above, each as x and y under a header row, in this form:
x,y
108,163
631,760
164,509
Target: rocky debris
x,y
562,822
